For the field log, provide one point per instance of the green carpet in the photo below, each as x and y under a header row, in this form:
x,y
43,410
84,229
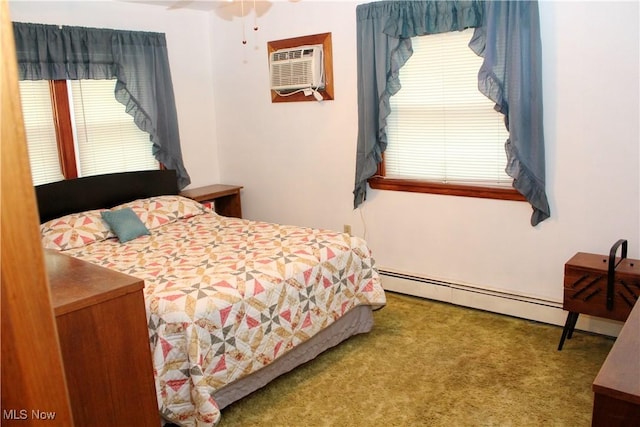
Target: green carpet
x,y
428,363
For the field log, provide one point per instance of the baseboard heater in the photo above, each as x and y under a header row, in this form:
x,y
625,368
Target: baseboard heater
x,y
493,300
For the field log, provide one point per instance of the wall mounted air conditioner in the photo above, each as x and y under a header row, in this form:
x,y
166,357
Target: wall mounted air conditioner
x,y
297,68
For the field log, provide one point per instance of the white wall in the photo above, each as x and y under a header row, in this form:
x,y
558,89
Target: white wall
x,y
190,56
296,160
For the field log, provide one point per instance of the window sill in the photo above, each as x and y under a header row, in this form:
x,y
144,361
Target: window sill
x,y
415,186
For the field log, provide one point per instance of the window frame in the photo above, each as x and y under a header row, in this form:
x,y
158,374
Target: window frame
x,y
64,128
63,125
380,182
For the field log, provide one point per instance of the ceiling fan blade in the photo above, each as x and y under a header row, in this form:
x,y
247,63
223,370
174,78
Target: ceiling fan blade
x,y
236,9
180,4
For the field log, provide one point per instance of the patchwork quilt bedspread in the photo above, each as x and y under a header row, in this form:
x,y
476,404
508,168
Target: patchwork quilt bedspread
x,y
225,296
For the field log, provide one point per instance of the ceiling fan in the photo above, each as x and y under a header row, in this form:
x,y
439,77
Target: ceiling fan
x,y
227,9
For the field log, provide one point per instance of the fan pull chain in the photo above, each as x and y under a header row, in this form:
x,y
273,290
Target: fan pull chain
x,y
244,36
255,16
255,20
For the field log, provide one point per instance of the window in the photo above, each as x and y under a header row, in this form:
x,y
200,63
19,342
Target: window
x,y
443,134
77,128
40,132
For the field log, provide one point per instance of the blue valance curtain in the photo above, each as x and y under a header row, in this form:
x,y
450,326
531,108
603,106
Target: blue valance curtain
x,y
137,60
507,36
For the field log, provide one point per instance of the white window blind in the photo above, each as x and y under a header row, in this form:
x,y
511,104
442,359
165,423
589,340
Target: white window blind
x,y
107,139
40,131
441,127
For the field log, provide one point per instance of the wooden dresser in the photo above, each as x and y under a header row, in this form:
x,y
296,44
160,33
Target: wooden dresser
x,y
102,329
616,400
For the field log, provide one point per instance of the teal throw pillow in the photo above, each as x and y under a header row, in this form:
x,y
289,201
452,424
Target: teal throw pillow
x,y
125,224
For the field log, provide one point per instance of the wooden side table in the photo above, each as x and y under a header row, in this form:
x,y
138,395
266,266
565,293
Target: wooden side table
x,y
104,341
225,198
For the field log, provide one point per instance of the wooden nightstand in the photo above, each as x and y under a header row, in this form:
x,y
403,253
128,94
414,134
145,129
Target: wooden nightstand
x,y
225,198
104,341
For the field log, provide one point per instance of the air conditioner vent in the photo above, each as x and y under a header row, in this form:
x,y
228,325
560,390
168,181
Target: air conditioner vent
x,y
286,55
297,68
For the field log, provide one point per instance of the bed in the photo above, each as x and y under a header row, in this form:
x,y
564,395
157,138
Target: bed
x,y
231,303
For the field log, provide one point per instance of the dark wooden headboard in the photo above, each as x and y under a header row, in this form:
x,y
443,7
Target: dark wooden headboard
x,y
102,191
